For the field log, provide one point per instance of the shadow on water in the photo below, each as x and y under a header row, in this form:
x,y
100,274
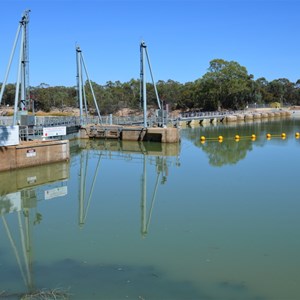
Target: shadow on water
x,y
84,281
115,281
236,290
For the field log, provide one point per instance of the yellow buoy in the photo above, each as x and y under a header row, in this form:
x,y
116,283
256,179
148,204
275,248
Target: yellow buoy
x,y
202,138
268,135
283,135
237,137
297,135
253,137
220,139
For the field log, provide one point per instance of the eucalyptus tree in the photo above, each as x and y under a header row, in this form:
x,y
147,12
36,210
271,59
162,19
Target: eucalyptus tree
x,y
132,93
47,97
282,90
226,85
169,92
296,98
187,97
262,92
9,94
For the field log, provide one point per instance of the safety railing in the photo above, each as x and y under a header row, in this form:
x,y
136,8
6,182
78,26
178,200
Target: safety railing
x,y
51,121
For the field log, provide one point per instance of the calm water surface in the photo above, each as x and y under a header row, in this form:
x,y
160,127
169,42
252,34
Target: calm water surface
x,y
215,221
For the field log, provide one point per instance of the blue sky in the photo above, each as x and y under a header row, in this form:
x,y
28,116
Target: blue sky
x,y
182,38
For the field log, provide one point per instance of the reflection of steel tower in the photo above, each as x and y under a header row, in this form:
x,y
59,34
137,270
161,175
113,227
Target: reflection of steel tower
x,y
83,208
31,185
23,68
161,169
29,200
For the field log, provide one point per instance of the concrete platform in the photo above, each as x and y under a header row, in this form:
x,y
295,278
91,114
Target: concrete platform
x,y
131,133
33,153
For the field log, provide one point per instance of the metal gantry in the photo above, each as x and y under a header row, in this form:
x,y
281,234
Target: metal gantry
x,y
23,68
143,91
80,87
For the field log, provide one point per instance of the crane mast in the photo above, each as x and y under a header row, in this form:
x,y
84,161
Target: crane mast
x,y
21,100
25,91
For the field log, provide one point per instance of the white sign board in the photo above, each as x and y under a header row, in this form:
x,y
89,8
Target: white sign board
x,y
30,153
54,131
56,192
9,135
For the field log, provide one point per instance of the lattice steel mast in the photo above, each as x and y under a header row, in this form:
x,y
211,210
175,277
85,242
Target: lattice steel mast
x,y
23,68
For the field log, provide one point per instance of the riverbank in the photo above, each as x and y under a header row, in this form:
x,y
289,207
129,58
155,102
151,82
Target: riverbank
x,y
126,112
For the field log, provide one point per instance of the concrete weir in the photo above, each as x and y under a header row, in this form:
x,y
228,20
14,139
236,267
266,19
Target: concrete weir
x,y
33,153
131,133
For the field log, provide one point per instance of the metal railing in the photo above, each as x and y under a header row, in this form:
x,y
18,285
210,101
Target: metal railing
x,y
49,121
195,114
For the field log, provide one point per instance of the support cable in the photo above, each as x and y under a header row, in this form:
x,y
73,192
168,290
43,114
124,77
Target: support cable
x,y
18,81
9,63
91,87
156,93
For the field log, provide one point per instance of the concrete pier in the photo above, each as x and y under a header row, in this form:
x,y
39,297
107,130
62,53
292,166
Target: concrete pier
x,y
33,153
247,116
131,133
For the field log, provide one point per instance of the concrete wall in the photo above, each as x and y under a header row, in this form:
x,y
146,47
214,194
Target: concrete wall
x,y
152,134
131,133
33,153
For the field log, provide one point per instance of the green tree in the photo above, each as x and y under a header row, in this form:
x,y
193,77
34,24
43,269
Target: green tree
x,y
169,92
9,94
282,90
226,85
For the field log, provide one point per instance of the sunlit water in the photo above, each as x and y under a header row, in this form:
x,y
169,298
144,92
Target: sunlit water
x,y
215,221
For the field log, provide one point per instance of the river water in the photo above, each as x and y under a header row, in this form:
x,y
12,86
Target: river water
x,y
213,220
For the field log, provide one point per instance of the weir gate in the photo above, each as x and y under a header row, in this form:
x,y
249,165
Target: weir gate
x,y
31,127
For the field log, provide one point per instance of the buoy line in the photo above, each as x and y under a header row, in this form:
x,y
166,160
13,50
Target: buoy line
x,y
237,137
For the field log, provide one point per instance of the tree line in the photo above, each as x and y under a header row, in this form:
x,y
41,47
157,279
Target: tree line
x,y
225,86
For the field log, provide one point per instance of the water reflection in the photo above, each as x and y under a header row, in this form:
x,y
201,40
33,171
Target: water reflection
x,y
230,151
161,175
20,192
160,156
133,225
